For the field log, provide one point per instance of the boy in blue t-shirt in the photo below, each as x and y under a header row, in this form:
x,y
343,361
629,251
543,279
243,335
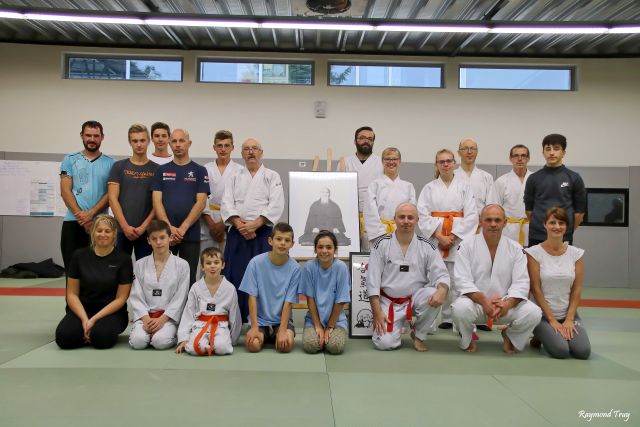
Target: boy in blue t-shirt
x,y
271,281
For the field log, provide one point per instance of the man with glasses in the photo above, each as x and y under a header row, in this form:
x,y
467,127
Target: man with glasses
x,y
253,202
369,168
479,180
508,192
180,190
212,227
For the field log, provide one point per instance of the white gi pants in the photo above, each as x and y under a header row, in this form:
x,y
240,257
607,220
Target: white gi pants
x,y
452,295
521,320
424,316
221,339
161,340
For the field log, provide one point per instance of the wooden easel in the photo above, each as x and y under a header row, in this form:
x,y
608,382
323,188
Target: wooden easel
x,y
342,167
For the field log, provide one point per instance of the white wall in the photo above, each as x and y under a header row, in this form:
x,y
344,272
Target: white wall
x,y
41,112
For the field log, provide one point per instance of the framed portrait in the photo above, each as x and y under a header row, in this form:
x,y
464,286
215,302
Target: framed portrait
x,y
607,207
324,201
360,314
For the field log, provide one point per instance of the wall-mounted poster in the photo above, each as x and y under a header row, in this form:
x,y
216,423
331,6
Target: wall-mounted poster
x,y
360,314
324,201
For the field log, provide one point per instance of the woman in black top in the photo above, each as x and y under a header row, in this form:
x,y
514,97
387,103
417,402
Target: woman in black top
x,y
98,285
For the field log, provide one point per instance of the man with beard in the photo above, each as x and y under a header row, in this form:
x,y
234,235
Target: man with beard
x,y
253,202
369,168
83,187
324,214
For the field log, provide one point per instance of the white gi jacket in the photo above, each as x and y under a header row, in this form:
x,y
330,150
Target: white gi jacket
x,y
402,275
169,293
458,197
249,196
508,192
368,171
217,184
480,182
383,197
506,277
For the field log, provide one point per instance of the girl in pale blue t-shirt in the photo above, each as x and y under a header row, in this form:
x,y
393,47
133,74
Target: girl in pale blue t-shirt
x,y
326,285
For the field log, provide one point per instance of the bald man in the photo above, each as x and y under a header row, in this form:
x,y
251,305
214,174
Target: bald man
x,y
253,202
479,180
492,280
407,281
180,190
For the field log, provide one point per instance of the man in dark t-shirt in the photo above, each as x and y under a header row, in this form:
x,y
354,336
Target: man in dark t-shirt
x,y
129,189
554,186
180,190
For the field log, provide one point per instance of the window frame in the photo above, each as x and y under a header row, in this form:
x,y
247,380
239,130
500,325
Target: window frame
x,y
438,65
571,68
68,56
259,61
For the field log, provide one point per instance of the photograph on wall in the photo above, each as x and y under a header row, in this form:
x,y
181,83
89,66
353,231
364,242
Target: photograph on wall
x,y
324,201
360,314
607,207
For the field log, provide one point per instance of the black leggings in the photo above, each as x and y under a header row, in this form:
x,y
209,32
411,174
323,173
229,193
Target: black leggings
x,y
104,334
72,237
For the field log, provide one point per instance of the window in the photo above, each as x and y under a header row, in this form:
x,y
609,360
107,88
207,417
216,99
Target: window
x,y
607,207
229,71
384,75
516,78
123,68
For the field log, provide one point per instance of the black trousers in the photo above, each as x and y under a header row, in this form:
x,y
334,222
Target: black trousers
x,y
104,334
190,252
72,237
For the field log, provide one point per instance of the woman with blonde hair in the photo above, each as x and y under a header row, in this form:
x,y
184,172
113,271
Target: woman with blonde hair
x,y
98,284
448,215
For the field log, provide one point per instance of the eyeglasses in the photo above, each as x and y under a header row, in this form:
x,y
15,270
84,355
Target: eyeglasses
x,y
445,162
249,149
468,149
391,159
365,138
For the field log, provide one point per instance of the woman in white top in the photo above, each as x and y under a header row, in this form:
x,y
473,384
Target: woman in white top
x,y
556,273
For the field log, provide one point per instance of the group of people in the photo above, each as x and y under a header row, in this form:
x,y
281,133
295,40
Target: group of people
x,y
428,255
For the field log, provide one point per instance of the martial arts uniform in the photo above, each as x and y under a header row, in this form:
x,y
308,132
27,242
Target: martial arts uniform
x,y
504,277
404,284
249,197
205,313
508,192
480,182
217,184
155,297
383,197
368,172
458,200
160,160
557,274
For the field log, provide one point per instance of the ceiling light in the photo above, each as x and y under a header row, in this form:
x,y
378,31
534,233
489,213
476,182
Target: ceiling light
x,y
549,30
201,23
318,26
11,15
81,18
625,30
433,28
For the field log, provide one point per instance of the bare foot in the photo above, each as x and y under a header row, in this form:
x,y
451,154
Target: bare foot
x,y
507,345
418,344
473,347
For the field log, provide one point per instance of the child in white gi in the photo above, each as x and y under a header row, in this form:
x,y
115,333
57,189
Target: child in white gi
x,y
159,292
211,320
271,281
326,284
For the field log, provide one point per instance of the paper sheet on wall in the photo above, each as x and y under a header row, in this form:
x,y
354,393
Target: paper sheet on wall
x,y
30,188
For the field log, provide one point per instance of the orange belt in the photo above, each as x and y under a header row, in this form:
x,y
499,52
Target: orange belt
x,y
212,321
522,222
390,315
447,225
156,314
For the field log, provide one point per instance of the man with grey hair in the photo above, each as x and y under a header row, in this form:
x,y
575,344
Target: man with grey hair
x,y
253,202
492,280
180,190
